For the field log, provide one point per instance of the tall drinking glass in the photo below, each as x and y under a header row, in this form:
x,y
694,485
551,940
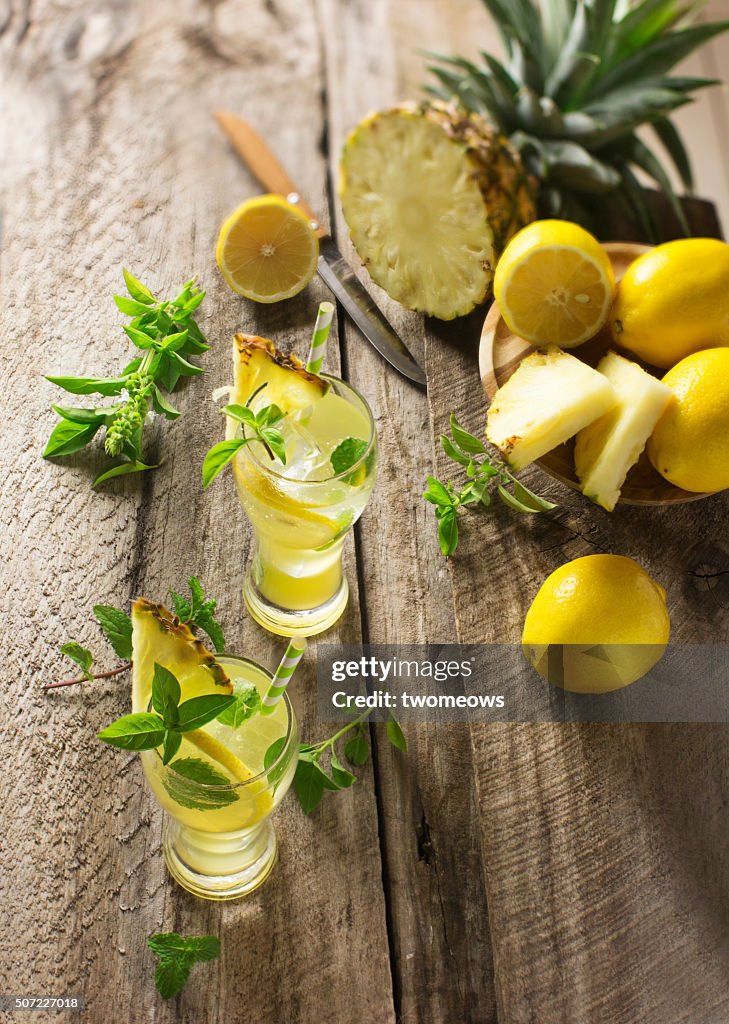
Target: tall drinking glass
x,y
220,791
302,511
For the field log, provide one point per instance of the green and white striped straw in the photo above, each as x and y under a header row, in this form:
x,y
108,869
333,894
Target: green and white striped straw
x,y
282,675
319,339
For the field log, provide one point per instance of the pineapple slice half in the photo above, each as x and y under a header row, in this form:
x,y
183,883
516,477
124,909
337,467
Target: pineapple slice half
x,y
550,397
431,195
607,449
159,636
257,361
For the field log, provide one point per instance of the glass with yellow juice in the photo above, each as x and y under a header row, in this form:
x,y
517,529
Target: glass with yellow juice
x,y
302,510
220,791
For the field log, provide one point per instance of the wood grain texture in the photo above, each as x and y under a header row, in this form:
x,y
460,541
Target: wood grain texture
x,y
604,881
111,155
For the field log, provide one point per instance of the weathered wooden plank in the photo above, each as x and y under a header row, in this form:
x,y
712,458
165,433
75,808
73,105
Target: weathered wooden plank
x,y
430,833
110,154
604,868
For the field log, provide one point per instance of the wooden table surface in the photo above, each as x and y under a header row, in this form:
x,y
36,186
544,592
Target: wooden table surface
x,y
515,873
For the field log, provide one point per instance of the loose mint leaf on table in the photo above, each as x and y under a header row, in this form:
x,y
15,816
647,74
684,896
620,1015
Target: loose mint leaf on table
x,y
395,735
309,785
81,655
177,956
357,750
482,472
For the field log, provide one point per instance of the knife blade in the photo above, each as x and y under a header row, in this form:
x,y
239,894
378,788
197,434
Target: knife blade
x,y
333,269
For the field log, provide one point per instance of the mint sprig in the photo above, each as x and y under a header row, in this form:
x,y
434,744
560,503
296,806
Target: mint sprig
x,y
199,612
164,726
167,334
312,779
176,956
260,426
483,473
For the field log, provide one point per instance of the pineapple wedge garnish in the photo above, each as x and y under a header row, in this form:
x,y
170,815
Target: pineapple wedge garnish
x,y
550,397
159,636
257,361
607,449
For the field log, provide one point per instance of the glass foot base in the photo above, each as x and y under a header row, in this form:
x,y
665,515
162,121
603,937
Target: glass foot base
x,y
284,621
220,867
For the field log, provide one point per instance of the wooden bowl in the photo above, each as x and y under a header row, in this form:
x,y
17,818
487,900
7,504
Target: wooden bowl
x,y
500,352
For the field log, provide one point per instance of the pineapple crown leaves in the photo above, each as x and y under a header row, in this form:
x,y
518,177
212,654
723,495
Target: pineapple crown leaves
x,y
483,473
580,77
167,335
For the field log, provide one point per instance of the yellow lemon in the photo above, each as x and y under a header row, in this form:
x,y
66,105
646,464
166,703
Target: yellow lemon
x,y
597,624
690,445
554,284
267,250
674,300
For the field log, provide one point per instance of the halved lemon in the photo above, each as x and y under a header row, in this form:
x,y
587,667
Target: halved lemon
x,y
554,284
267,250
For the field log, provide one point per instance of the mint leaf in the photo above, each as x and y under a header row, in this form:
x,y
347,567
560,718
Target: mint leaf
x,y
141,731
117,628
309,785
198,711
81,655
395,735
347,454
247,703
181,606
197,770
171,745
273,752
177,956
191,782
340,774
165,695
357,750
218,457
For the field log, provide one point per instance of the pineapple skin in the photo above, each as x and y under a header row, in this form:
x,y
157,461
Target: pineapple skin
x,y
607,449
490,161
551,396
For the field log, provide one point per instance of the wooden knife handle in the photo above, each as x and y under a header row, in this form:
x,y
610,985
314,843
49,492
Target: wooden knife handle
x,y
249,145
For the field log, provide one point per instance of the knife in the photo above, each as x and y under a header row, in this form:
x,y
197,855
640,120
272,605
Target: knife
x,y
333,269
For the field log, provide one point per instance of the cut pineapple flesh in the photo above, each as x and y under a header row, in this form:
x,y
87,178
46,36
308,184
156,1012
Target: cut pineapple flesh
x,y
159,636
257,362
416,214
550,397
607,449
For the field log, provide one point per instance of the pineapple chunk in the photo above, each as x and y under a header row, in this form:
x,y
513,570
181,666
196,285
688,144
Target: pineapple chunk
x,y
548,399
607,448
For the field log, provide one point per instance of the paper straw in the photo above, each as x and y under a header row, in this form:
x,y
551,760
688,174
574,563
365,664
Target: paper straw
x,y
319,338
282,675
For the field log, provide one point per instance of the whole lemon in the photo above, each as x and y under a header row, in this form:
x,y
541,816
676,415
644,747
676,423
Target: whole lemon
x,y
690,445
674,300
597,624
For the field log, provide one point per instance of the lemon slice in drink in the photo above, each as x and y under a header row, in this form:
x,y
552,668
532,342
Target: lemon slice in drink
x,y
267,250
554,284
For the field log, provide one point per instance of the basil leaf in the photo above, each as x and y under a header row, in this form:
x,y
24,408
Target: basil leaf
x,y
161,406
130,306
198,711
357,750
218,457
122,469
136,289
68,437
91,385
341,776
468,442
395,735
